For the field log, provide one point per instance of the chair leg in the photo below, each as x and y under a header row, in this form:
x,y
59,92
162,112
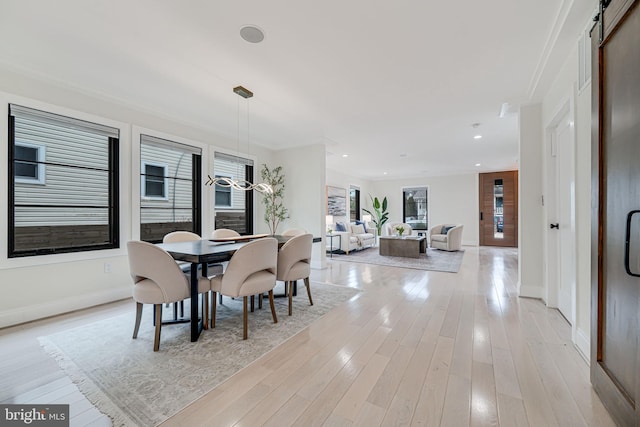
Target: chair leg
x,y
290,296
136,328
156,339
260,295
181,308
220,298
213,309
273,307
175,311
308,285
245,318
205,310
253,303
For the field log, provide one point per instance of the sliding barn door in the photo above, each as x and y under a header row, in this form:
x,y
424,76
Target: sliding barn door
x,y
615,358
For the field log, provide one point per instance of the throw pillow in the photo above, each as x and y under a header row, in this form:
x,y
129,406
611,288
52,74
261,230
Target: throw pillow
x,y
362,223
340,226
357,229
445,230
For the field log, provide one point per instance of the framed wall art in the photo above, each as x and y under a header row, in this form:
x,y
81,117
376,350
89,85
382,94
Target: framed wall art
x,y
336,201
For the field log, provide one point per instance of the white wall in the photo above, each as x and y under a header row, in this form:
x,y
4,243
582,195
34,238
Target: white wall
x,y
304,172
452,199
36,287
530,233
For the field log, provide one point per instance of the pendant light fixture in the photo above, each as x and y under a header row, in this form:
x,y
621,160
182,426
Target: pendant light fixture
x,y
240,184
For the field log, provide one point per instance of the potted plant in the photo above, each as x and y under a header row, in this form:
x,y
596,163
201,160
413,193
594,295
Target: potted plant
x,y
400,229
379,214
274,210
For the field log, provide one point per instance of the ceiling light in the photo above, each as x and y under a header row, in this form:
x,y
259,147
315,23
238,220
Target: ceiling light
x,y
252,34
477,164
477,137
384,173
345,155
403,155
240,184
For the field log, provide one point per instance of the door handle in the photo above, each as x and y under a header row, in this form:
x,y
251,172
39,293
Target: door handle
x,y
627,243
556,225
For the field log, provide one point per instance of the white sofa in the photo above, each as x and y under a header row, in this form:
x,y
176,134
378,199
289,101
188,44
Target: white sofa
x,y
356,237
449,241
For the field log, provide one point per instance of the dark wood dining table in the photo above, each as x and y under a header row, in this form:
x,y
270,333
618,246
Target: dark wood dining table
x,y
201,253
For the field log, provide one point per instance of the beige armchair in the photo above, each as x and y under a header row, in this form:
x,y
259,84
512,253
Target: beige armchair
x,y
294,260
451,240
157,280
391,229
251,271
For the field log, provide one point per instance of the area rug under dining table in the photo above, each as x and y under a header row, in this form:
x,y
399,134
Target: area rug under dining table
x,y
434,259
135,386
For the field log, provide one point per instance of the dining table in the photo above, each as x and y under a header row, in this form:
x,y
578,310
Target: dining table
x,y
202,252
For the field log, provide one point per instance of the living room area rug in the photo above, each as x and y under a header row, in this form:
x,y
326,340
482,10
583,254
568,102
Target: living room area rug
x,y
135,386
434,259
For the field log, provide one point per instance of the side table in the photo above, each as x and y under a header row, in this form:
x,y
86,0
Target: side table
x,y
330,237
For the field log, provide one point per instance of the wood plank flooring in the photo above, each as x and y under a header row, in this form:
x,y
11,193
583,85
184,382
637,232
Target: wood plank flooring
x,y
413,348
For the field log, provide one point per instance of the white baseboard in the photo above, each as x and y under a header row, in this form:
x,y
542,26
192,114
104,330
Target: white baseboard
x,y
531,291
583,344
65,305
470,243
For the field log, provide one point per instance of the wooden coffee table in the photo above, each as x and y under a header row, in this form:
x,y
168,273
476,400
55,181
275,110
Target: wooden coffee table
x,y
406,246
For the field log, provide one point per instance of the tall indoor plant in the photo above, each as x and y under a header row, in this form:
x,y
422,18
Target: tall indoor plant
x,y
379,214
274,210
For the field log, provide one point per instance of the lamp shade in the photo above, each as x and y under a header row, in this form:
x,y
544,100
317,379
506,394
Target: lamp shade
x,y
329,220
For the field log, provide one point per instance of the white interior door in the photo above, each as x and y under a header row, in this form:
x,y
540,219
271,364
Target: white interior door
x,y
561,239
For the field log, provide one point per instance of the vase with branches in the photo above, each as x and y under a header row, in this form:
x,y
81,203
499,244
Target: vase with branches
x,y
379,214
274,210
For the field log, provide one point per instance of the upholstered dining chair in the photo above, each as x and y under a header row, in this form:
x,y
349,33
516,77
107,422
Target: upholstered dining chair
x,y
251,271
158,280
294,232
223,233
294,260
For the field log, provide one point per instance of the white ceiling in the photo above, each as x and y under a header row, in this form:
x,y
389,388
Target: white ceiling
x,y
396,85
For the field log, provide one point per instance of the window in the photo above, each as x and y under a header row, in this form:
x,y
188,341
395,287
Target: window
x,y
154,180
233,208
29,163
76,207
170,188
223,194
415,207
354,203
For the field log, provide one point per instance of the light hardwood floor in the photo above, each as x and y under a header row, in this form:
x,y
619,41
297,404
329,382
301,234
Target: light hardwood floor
x,y
413,348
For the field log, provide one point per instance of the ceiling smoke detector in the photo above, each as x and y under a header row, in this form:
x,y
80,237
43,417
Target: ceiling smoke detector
x,y
252,34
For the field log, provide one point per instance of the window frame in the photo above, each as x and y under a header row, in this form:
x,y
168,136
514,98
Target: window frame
x,y
40,159
404,206
112,131
143,180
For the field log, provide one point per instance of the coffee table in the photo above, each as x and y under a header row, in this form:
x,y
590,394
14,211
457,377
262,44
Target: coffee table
x,y
405,246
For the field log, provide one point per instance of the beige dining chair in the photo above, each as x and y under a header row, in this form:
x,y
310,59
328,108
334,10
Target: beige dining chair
x,y
251,271
294,232
188,236
158,280
223,233
294,260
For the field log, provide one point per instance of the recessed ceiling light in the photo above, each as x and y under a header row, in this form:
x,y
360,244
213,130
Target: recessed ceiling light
x,y
477,137
384,173
403,155
345,155
252,34
477,164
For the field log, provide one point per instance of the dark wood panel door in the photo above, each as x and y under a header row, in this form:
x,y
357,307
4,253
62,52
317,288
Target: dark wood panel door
x,y
499,209
615,367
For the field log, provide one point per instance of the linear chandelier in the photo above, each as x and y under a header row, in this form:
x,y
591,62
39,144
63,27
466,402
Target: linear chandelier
x,y
240,184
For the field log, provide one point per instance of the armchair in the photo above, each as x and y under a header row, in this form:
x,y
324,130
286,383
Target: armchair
x,y
450,240
391,229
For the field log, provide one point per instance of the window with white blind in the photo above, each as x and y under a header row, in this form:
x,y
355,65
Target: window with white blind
x,y
75,206
170,193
